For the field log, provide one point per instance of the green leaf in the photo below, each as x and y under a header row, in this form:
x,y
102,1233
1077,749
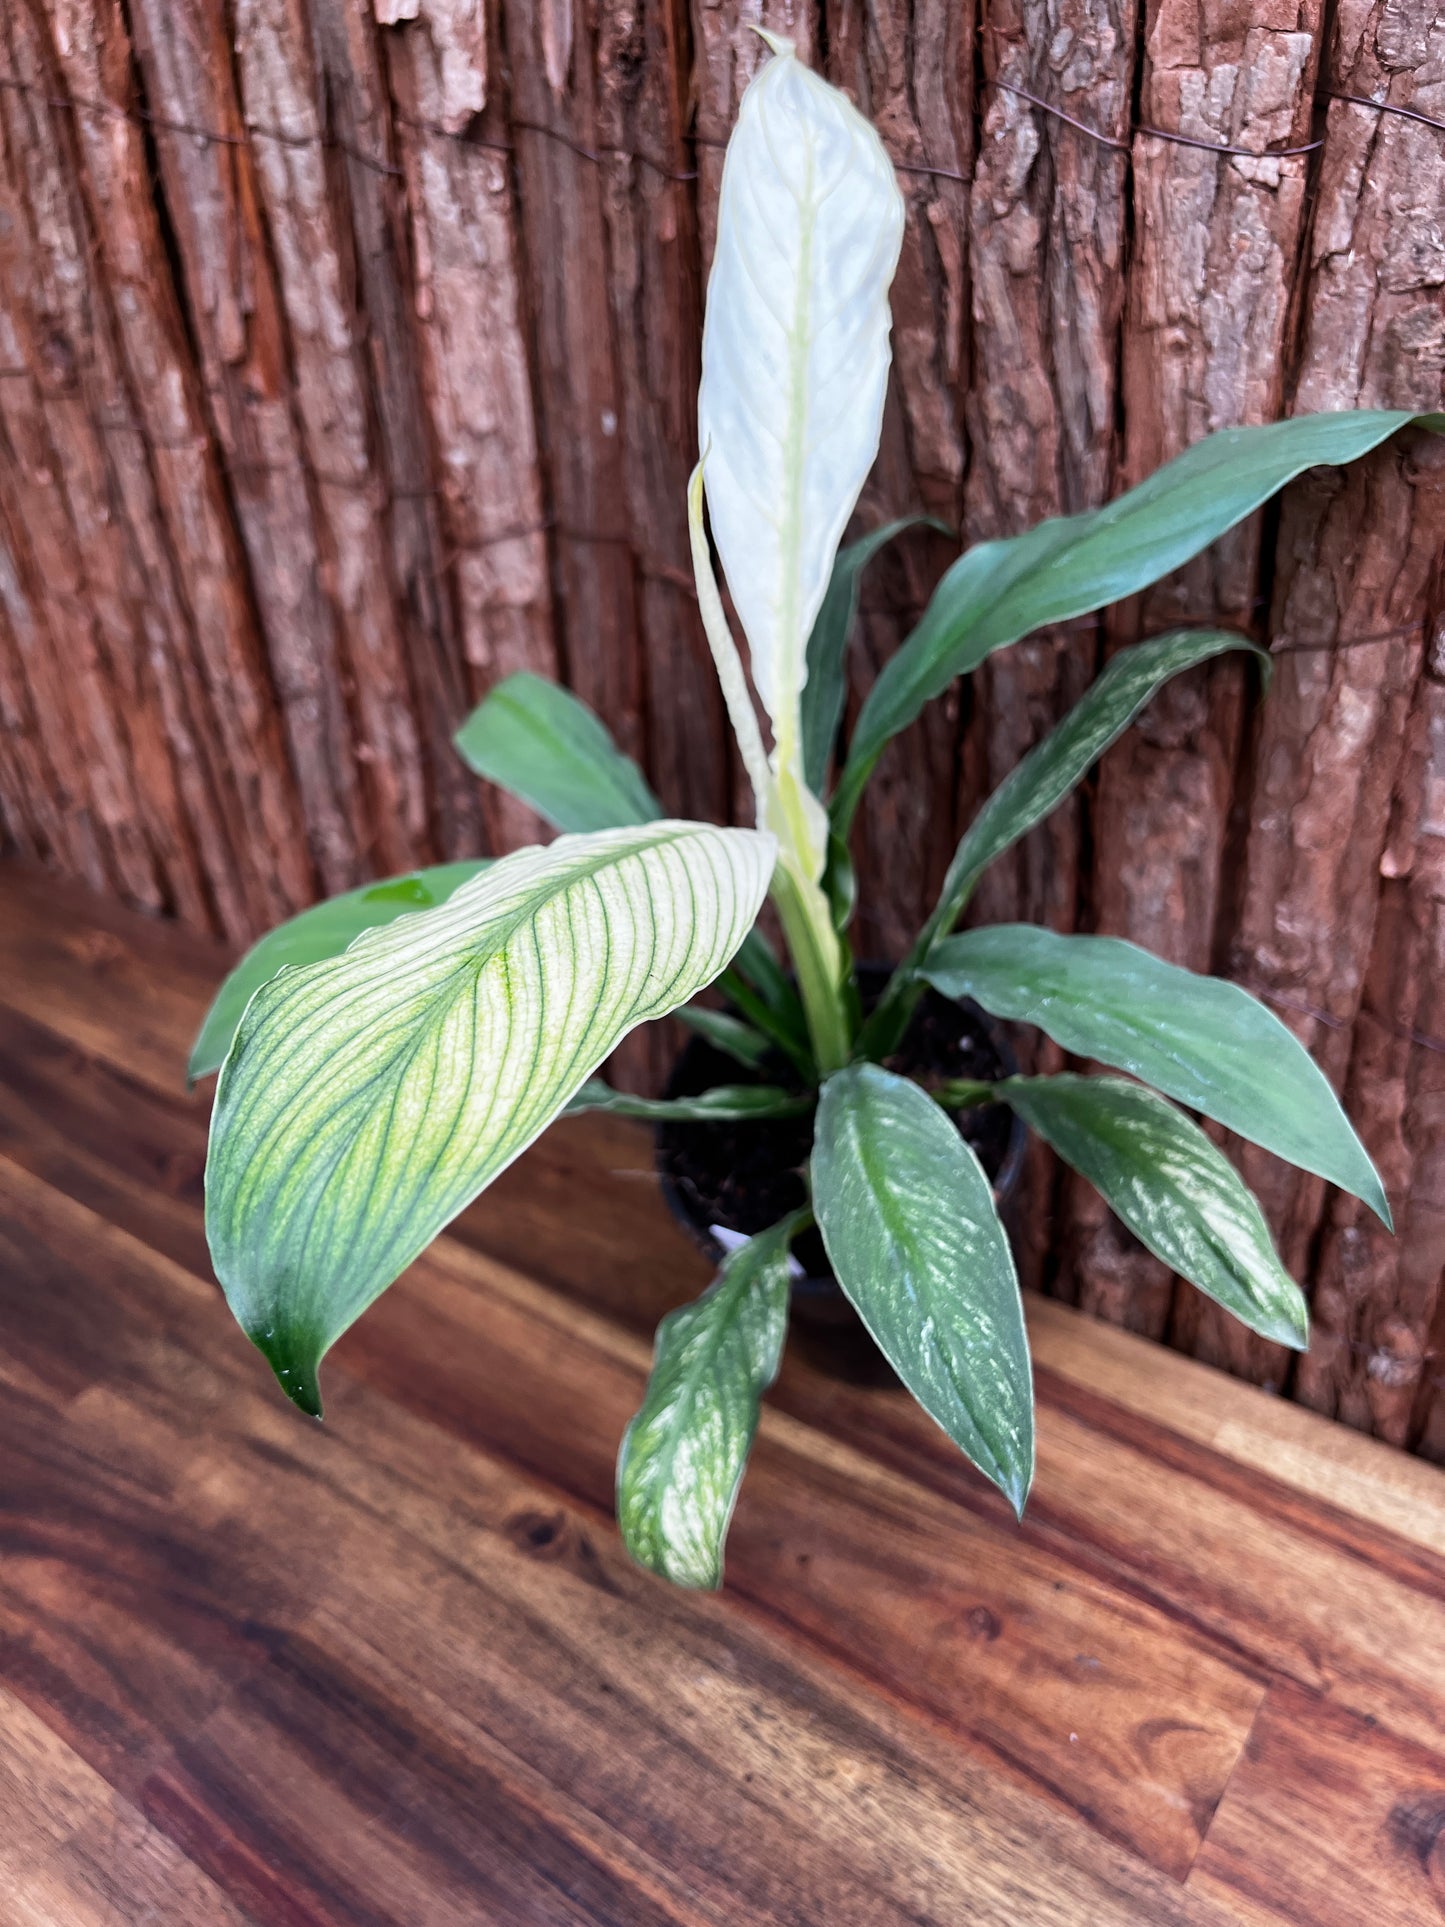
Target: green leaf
x,y
1041,780
1174,1190
723,1104
727,1033
1037,784
683,1455
368,1098
540,742
1000,591
826,688
1207,1043
325,930
909,1223
537,740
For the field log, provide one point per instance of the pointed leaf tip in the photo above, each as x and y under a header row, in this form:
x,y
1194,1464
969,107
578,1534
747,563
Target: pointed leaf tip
x,y
296,1363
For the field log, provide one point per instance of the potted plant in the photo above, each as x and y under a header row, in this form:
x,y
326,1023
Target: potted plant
x,y
386,1054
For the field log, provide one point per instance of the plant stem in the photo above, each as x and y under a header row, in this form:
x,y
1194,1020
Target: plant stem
x,y
791,1041
819,962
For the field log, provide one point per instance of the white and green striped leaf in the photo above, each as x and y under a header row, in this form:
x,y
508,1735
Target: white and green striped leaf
x,y
1207,1043
324,930
1176,1192
795,358
913,1236
368,1098
684,1453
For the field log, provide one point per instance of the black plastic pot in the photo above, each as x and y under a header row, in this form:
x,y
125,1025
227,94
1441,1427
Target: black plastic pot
x,y
742,1177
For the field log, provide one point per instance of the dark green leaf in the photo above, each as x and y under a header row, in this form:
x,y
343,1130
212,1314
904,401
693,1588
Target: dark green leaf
x,y
683,1455
1066,567
1180,1196
537,740
323,931
826,689
727,1033
840,882
912,1234
724,1103
1039,782
1207,1043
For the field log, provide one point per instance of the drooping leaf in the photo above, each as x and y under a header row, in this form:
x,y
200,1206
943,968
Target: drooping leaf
x,y
369,1097
723,1104
727,1033
1000,591
1037,784
536,739
683,1455
1207,1043
322,931
826,686
795,358
1174,1190
908,1220
783,1021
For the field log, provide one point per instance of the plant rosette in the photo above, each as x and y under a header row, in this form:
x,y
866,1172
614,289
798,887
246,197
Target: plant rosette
x,y
385,1055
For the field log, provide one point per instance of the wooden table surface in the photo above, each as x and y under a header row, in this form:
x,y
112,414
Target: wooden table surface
x,y
397,1669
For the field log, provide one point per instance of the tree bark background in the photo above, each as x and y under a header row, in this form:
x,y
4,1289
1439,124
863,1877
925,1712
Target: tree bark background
x,y
348,351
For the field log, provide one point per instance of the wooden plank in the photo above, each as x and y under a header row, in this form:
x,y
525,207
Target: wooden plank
x,y
951,1612
1329,1463
73,1851
1328,1814
209,1549
464,1344
126,989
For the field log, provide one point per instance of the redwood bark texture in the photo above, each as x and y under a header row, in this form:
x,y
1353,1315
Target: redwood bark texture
x,y
347,360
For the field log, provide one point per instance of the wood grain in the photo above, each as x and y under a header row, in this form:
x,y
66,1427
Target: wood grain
x,y
396,1669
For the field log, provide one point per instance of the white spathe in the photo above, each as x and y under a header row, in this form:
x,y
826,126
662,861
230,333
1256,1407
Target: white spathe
x,y
795,357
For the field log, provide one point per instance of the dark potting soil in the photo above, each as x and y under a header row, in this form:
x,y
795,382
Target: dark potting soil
x,y
745,1176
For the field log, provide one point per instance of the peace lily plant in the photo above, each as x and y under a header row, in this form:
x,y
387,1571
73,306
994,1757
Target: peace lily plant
x,y
384,1056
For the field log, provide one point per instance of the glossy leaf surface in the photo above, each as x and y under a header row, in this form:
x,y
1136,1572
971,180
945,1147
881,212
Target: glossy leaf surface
x,y
683,1455
908,1219
999,591
1036,785
368,1098
1175,1191
1207,1043
537,740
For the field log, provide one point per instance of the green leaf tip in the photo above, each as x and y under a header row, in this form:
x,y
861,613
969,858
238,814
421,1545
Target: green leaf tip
x,y
295,1358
